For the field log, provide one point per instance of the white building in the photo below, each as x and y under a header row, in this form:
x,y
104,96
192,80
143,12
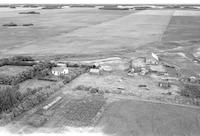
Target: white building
x,y
57,71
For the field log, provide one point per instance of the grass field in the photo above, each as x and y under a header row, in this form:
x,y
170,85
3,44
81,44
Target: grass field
x,y
12,70
49,24
144,118
123,32
81,31
33,83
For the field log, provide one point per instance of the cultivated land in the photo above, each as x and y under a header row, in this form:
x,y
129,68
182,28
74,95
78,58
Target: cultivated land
x,y
118,101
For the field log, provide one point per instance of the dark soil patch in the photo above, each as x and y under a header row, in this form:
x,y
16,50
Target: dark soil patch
x,y
77,112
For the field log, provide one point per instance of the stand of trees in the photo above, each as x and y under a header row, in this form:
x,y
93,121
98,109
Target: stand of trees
x,y
36,70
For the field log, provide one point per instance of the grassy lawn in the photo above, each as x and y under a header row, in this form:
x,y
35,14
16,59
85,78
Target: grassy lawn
x,y
33,83
12,70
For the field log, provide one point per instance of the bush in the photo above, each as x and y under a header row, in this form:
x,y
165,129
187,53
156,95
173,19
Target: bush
x,y
18,60
9,97
191,90
21,58
73,74
28,100
21,63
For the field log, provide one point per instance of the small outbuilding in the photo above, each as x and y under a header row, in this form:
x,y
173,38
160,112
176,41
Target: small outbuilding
x,y
95,71
164,85
157,68
57,71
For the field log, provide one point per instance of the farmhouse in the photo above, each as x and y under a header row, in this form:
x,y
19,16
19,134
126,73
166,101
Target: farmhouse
x,y
57,71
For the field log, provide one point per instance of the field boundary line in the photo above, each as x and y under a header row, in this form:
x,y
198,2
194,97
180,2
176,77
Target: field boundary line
x,y
114,96
161,36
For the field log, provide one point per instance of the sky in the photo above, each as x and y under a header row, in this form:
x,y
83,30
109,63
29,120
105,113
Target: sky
x,y
100,1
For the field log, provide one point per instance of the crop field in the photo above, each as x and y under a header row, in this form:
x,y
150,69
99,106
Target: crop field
x,y
182,28
120,119
12,70
49,24
99,31
81,31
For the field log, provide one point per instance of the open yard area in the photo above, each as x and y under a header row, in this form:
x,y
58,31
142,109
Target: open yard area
x,y
123,84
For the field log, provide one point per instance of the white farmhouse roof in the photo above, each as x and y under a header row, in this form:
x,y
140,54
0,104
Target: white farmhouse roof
x,y
155,56
59,69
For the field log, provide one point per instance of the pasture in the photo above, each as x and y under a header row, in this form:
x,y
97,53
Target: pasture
x,y
12,70
90,31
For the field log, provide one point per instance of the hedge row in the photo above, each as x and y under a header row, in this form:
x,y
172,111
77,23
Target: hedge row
x,y
22,63
31,98
76,64
15,60
36,70
47,79
90,89
9,97
190,90
73,74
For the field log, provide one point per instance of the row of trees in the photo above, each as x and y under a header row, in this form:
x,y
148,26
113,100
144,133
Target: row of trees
x,y
16,103
190,90
73,74
17,60
37,70
9,97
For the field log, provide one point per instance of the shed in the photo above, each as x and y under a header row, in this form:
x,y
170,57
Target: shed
x,y
164,85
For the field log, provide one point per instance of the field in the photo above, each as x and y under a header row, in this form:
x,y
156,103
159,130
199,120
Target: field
x,y
118,100
12,70
49,24
120,119
99,31
33,83
89,31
